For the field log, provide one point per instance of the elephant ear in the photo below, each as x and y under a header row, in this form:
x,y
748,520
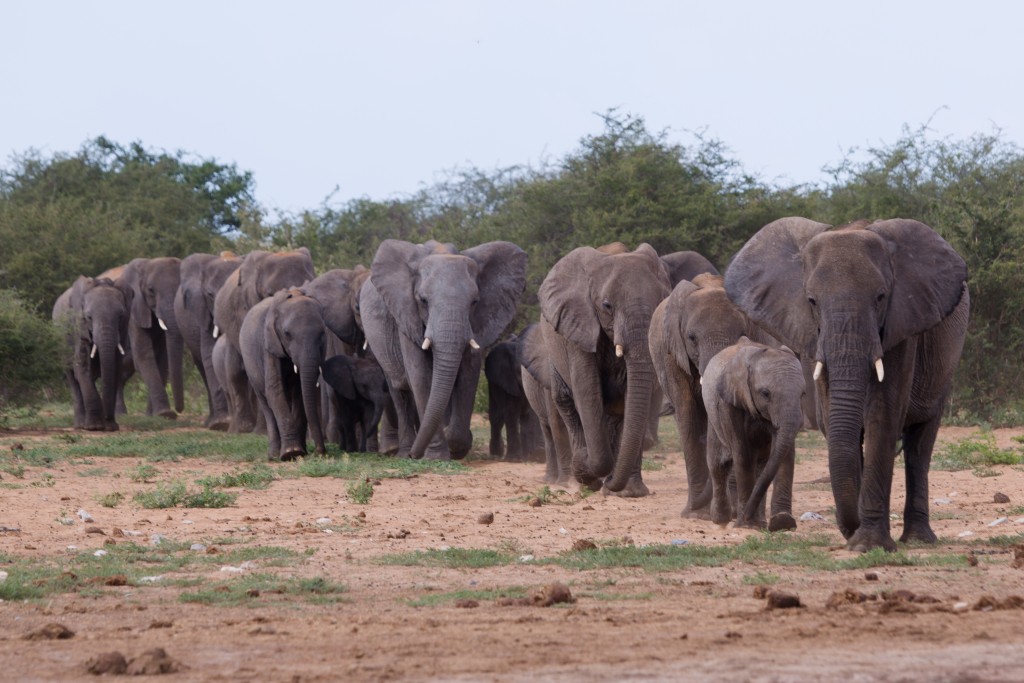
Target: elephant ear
x,y
271,341
676,316
734,379
502,370
565,298
338,373
928,278
81,285
501,279
765,279
657,265
686,265
531,356
394,272
132,277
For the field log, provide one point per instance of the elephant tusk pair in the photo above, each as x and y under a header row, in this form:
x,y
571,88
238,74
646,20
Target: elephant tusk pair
x,y
163,325
619,351
879,369
426,344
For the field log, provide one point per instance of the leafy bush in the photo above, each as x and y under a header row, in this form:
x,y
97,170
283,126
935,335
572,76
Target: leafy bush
x,y
30,354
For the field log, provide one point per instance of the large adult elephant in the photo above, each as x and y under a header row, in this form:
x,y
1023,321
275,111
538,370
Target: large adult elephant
x,y
429,312
882,308
202,275
156,341
599,304
283,343
688,328
752,393
261,274
94,315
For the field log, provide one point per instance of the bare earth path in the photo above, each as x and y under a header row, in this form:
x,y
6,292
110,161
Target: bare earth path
x,y
697,623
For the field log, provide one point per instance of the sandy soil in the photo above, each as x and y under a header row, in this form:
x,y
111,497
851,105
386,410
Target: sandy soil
x,y
699,624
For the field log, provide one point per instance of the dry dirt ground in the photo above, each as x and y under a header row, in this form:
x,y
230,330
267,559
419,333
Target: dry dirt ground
x,y
406,623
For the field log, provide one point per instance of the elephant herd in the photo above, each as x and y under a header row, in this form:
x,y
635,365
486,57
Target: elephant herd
x,y
856,330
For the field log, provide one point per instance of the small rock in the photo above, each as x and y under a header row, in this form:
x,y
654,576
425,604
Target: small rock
x,y
563,530
100,553
534,502
847,597
780,600
680,541
152,662
150,579
972,559
942,501
324,520
3,576
965,534
94,530
161,624
467,604
961,607
997,522
761,591
525,558
187,521
84,516
552,594
871,576
253,593
116,580
198,547
584,544
112,663
1000,498
1018,556
485,518
51,631
157,539
811,517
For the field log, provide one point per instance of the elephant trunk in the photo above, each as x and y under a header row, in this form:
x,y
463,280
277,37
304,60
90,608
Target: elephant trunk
x,y
309,374
175,359
640,379
781,459
847,392
107,342
447,346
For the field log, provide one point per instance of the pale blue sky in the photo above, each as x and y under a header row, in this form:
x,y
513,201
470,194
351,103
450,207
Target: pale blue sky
x,y
378,98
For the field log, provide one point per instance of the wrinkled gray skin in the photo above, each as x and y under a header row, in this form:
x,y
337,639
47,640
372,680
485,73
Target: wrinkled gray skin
x,y
688,328
752,393
597,300
891,291
537,387
283,341
337,291
202,275
363,396
260,275
156,341
508,409
419,292
94,313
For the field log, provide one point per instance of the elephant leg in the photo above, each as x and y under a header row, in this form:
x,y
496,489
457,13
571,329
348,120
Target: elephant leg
x,y
243,419
77,402
566,408
512,430
747,468
720,469
387,436
92,403
635,486
458,436
273,435
876,487
147,353
287,409
220,413
496,416
590,411
692,425
330,418
918,442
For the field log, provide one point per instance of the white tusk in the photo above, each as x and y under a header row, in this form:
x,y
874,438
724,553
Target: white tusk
x,y
473,345
216,331
318,384
121,349
426,343
701,381
92,354
163,325
619,351
366,344
879,369
295,368
818,367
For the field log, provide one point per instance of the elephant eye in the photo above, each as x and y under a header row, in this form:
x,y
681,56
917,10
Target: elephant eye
x,y
766,393
811,301
692,337
606,305
880,297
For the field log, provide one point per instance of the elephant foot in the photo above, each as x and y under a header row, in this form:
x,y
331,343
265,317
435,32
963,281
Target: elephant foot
x,y
437,454
635,488
220,425
781,521
865,539
111,427
696,513
292,452
168,414
920,532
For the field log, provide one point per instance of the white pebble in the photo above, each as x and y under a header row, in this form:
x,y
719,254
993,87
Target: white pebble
x,y
187,521
72,547
811,517
997,522
131,532
960,606
84,516
324,520
563,531
157,539
942,501
525,558
965,534
150,579
3,576
1019,521
100,553
328,531
198,547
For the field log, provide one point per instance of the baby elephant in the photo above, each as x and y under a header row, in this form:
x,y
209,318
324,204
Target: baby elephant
x,y
362,394
752,394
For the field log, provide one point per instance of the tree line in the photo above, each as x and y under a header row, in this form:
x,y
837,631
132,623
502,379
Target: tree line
x,y
76,213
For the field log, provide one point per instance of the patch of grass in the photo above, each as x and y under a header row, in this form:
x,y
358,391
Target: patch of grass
x,y
761,579
259,588
372,466
360,492
144,472
610,597
1016,510
259,477
652,465
450,558
977,452
436,599
176,494
15,469
45,481
110,500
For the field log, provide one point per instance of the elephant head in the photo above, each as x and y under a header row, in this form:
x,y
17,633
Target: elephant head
x,y
158,346
338,291
601,302
686,265
845,297
446,303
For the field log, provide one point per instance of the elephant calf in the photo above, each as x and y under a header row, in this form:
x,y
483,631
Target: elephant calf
x,y
362,395
752,395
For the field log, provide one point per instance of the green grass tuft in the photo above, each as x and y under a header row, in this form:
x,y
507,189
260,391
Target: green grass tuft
x,y
450,558
977,452
176,494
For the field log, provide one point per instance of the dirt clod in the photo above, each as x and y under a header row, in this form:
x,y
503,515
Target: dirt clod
x,y
152,662
485,518
161,624
1018,556
112,663
780,600
467,604
1000,497
51,631
116,580
534,502
584,544
552,594
846,597
761,592
972,559
94,530
871,576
